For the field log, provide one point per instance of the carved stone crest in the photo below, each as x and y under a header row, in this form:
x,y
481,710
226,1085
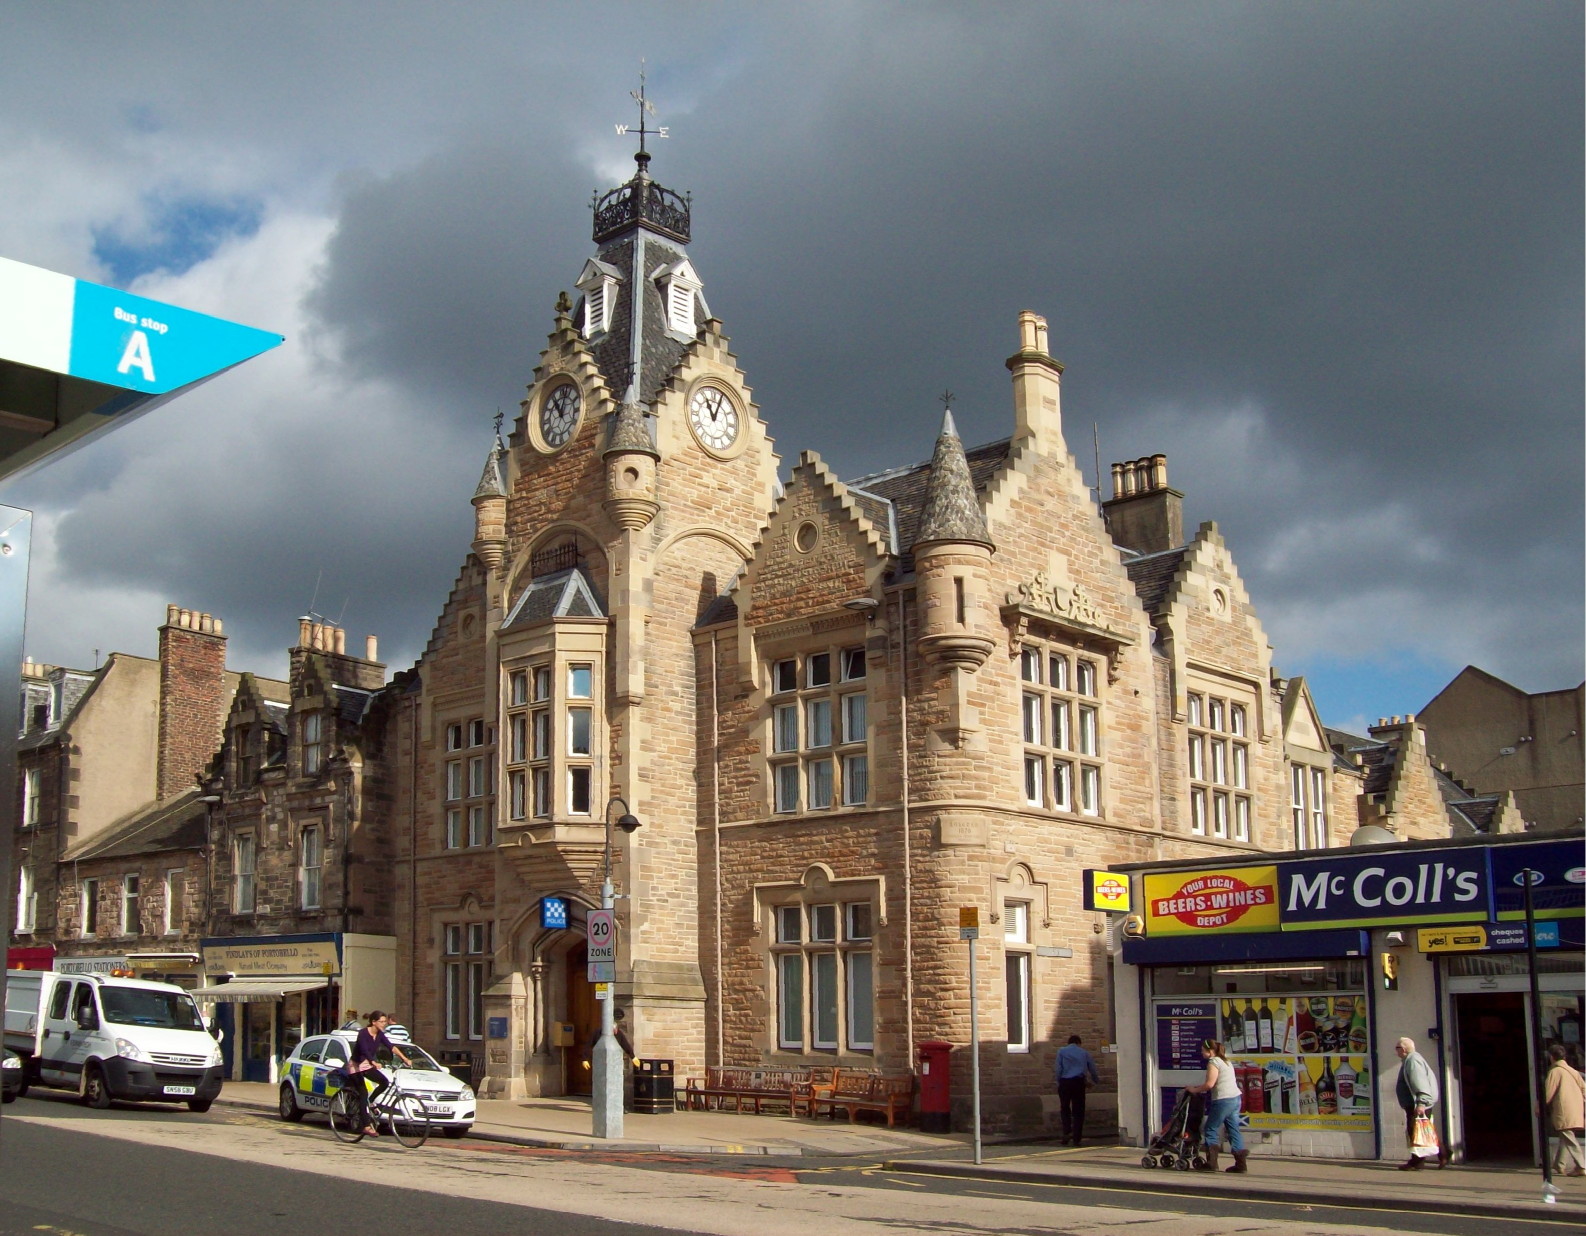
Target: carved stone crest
x,y
1044,593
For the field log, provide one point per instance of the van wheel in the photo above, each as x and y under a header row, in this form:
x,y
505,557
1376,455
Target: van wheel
x,y
287,1107
96,1091
198,1105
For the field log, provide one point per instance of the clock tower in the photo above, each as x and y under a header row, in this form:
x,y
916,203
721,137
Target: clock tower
x,y
635,483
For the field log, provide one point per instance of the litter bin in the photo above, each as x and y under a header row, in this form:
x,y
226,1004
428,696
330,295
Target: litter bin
x,y
653,1089
460,1064
936,1091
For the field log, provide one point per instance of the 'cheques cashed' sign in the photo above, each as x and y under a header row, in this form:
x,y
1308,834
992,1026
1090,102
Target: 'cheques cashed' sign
x,y
1229,899
1359,890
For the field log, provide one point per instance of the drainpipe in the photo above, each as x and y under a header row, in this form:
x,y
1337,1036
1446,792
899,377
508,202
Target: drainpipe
x,y
715,834
908,848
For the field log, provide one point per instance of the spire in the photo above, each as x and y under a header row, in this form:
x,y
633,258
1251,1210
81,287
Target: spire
x,y
629,434
951,511
491,484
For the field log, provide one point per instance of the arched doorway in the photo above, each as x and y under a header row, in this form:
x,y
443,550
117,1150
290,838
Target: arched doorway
x,y
583,1011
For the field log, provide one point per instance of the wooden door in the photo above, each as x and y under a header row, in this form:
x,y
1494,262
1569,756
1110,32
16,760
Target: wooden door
x,y
583,1010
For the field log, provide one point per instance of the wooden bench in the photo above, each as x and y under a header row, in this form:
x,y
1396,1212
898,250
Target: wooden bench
x,y
817,1085
858,1092
739,1083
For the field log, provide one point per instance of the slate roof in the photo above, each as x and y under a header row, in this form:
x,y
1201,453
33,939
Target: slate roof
x,y
490,483
659,349
1152,575
630,432
177,824
562,594
353,703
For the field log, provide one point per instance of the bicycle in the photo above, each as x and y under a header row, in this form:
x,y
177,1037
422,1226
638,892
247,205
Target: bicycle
x,y
404,1114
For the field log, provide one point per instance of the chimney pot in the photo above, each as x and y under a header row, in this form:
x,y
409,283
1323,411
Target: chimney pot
x,y
1032,332
341,640
371,649
170,614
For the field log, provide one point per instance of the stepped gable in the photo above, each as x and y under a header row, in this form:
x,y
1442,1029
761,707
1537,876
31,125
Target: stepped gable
x,y
1152,576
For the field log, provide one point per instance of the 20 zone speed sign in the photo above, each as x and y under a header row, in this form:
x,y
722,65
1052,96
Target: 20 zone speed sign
x,y
602,935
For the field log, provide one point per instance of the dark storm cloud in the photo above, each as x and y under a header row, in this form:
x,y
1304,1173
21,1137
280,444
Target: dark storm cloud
x,y
1328,257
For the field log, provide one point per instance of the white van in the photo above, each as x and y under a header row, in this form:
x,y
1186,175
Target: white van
x,y
111,1038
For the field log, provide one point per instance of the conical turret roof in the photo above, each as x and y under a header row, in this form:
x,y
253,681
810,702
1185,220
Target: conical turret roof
x,y
491,484
629,433
951,511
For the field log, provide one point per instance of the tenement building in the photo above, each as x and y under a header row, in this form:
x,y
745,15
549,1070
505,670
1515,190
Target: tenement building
x,y
841,711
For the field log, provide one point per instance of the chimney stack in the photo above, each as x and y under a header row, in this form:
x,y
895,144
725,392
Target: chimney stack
x,y
193,697
329,643
1144,514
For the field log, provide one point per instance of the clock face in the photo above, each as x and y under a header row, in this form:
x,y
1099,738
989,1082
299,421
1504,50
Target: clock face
x,y
559,414
714,418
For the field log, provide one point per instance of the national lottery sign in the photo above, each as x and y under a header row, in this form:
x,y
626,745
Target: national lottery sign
x,y
1226,899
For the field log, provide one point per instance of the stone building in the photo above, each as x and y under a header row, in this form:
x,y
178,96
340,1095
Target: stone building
x,y
841,711
106,848
1497,737
297,935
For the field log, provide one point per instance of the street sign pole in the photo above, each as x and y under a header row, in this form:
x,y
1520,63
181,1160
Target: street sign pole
x,y
974,1045
1539,1066
606,1059
969,932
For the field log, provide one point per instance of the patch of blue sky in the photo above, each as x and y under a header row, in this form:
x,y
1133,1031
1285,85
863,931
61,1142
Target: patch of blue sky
x,y
1352,691
181,232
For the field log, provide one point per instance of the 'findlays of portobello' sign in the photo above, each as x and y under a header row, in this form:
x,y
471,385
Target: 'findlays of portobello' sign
x,y
1234,899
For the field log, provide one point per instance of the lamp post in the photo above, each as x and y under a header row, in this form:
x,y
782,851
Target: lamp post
x,y
606,1060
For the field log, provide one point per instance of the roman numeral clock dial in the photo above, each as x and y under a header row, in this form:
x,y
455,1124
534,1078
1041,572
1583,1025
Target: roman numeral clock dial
x,y
559,415
714,419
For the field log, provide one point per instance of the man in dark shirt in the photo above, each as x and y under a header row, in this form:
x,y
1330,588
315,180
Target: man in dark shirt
x,y
1075,1073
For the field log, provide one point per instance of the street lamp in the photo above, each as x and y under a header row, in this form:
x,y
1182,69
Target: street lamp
x,y
606,1060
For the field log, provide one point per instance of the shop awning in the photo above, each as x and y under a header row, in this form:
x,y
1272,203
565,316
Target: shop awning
x,y
255,991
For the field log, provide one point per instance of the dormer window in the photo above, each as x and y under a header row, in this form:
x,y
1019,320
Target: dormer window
x,y
598,283
678,285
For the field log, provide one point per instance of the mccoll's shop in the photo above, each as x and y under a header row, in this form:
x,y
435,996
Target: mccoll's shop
x,y
1310,967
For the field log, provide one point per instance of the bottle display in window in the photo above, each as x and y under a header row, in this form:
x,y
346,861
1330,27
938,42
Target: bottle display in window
x,y
1327,1090
1264,1027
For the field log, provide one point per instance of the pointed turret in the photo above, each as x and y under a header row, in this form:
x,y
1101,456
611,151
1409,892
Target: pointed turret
x,y
630,457
490,510
951,511
952,557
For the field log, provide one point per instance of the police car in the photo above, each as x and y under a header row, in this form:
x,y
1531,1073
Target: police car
x,y
312,1074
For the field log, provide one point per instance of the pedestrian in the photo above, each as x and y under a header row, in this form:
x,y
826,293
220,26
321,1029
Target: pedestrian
x,y
1075,1073
619,1031
1418,1094
1566,1112
1221,1089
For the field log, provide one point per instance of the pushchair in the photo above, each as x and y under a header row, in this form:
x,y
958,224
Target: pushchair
x,y
1178,1144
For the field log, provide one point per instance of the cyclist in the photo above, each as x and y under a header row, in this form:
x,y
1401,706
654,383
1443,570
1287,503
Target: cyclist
x,y
366,1061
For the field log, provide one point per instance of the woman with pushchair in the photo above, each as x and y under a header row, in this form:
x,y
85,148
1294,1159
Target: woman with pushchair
x,y
1221,1089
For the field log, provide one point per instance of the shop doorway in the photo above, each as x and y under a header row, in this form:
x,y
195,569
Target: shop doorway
x,y
583,1011
1495,1089
258,1040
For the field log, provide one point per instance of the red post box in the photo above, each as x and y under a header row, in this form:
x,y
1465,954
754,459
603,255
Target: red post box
x,y
936,1088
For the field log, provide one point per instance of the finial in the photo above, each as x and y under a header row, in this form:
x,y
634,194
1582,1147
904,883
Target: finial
x,y
564,304
642,158
498,421
946,400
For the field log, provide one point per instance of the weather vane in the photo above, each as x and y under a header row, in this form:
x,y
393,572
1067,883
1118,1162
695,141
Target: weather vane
x,y
946,399
645,106
498,422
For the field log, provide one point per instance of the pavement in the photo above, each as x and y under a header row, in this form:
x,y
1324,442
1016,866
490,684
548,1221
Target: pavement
x,y
564,1124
